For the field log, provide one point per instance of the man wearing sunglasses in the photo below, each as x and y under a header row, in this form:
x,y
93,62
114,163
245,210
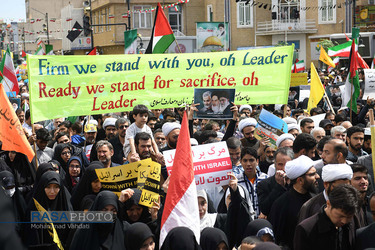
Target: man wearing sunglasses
x,y
118,141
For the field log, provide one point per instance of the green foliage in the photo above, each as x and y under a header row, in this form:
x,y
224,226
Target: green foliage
x,y
326,44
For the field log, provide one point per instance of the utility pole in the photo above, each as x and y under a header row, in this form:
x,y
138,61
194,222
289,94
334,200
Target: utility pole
x,y
47,28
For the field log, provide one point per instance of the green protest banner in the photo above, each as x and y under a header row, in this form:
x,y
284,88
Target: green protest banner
x,y
62,86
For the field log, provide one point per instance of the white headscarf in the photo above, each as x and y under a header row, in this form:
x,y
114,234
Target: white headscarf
x,y
208,220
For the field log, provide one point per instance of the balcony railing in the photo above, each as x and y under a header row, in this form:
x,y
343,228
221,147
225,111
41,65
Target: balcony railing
x,y
295,26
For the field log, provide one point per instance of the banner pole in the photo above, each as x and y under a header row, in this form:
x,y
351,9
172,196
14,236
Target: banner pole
x,y
178,46
329,103
34,145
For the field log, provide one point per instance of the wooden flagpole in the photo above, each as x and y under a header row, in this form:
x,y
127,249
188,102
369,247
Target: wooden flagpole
x,y
329,103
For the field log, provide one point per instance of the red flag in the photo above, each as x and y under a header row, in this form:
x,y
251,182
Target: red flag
x,y
92,52
362,64
181,206
11,132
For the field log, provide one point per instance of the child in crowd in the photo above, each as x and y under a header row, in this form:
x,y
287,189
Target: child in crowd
x,y
140,115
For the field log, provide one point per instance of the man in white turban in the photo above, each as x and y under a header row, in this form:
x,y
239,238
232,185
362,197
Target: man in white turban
x,y
284,212
171,131
332,176
247,128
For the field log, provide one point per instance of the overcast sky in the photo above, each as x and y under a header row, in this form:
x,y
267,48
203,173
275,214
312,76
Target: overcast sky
x,y
12,9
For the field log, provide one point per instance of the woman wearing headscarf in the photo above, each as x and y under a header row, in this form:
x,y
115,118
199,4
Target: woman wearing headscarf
x,y
101,235
51,194
23,171
89,184
62,154
134,212
139,237
181,238
74,173
213,239
44,167
260,228
234,222
11,190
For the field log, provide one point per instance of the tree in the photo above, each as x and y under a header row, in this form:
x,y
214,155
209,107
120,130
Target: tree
x,y
326,44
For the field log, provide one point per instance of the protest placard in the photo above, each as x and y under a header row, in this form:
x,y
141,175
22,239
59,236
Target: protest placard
x,y
214,103
143,172
62,86
369,84
119,178
151,187
270,126
298,79
211,164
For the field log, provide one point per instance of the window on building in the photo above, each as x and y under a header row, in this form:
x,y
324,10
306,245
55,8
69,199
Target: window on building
x,y
244,14
108,28
327,11
142,19
94,22
289,11
175,18
209,13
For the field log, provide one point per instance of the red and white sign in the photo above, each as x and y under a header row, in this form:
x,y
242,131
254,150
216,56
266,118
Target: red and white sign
x,y
211,164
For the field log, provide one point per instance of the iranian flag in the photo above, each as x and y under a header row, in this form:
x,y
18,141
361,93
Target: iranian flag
x,y
131,41
298,66
40,51
181,205
8,77
342,50
162,35
352,86
336,61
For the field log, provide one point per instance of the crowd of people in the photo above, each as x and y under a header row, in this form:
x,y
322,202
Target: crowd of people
x,y
315,190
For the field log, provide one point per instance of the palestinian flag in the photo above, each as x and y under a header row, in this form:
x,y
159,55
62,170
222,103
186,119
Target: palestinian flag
x,y
341,50
162,35
49,49
8,78
298,66
131,41
352,82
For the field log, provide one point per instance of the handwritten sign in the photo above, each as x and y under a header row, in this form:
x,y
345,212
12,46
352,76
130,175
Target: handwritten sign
x,y
369,84
150,191
62,86
211,164
270,126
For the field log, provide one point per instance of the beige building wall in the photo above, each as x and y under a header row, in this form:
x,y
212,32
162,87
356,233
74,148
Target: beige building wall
x,y
111,40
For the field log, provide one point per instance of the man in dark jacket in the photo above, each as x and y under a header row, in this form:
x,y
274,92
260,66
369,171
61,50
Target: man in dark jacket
x,y
365,236
332,175
332,227
273,187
